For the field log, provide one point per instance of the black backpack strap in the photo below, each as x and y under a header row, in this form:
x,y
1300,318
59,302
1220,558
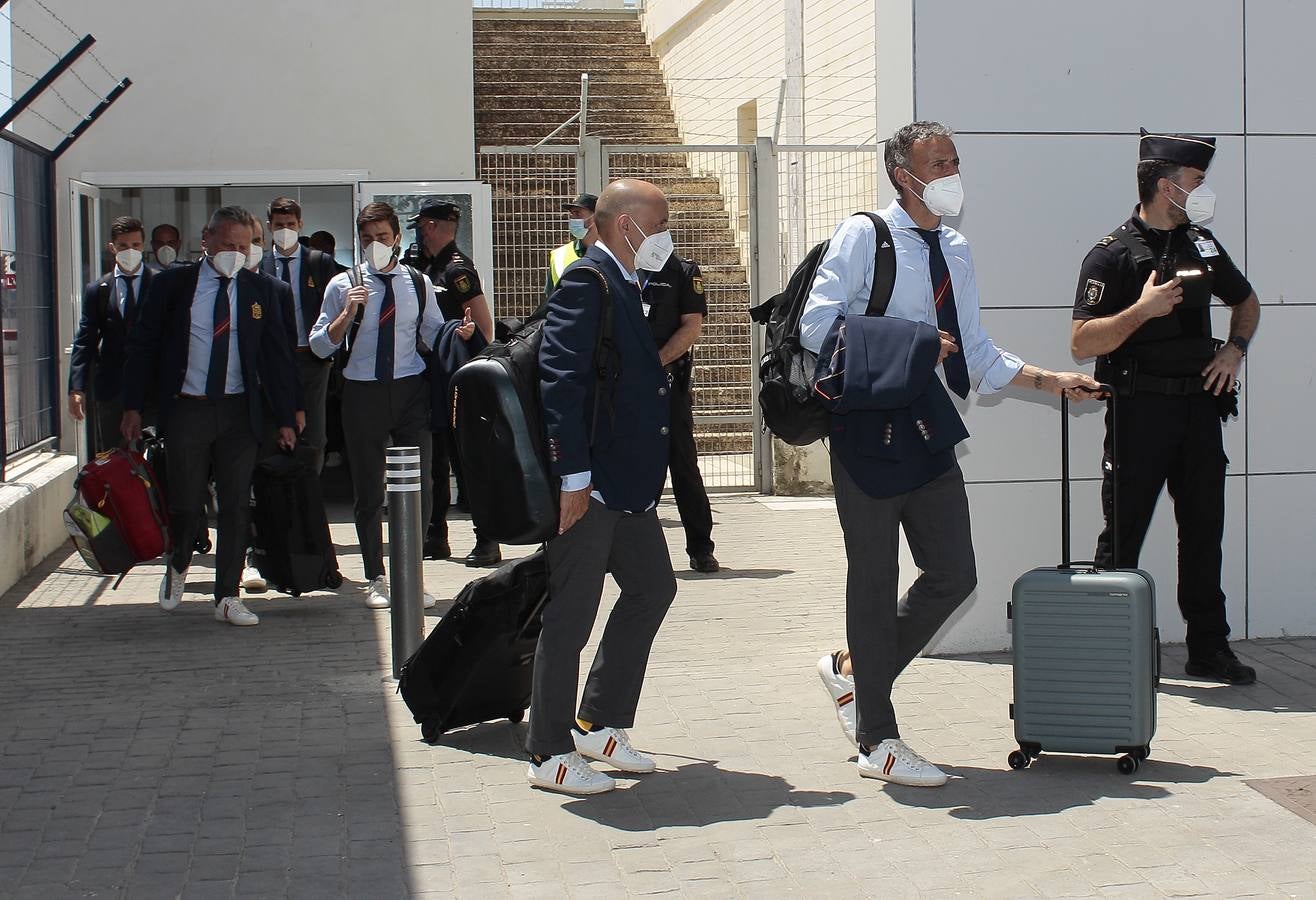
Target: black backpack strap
x,y
884,267
604,349
1139,250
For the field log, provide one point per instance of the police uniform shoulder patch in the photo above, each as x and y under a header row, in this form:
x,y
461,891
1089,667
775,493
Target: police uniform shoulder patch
x,y
462,283
697,285
1093,292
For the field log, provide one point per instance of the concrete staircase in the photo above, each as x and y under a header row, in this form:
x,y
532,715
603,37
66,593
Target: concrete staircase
x,y
527,82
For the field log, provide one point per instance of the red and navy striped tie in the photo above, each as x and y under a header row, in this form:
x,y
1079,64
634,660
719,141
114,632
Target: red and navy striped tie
x,y
217,377
387,315
943,294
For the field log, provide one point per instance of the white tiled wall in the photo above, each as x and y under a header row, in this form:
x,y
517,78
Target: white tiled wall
x,y
1047,99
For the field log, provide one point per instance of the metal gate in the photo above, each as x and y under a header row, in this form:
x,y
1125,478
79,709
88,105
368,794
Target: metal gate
x,y
711,190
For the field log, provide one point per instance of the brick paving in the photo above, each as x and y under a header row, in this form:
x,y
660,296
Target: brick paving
x,y
145,754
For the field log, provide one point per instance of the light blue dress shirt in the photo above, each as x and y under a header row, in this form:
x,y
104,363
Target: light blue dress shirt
x,y
294,264
845,280
202,334
406,359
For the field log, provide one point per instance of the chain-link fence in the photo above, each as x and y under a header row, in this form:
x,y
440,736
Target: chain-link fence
x,y
530,187
710,193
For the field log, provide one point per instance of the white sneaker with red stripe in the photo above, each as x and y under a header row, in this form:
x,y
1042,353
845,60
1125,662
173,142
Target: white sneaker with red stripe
x,y
231,610
612,746
893,761
568,773
841,690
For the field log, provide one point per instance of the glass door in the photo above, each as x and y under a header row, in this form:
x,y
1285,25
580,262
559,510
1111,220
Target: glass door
x,y
84,205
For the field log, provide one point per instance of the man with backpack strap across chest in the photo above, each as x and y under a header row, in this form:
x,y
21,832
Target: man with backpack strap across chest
x,y
934,284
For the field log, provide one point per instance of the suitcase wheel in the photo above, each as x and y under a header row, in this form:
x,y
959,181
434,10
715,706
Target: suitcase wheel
x,y
334,580
1127,764
516,716
294,593
431,732
1019,759
203,544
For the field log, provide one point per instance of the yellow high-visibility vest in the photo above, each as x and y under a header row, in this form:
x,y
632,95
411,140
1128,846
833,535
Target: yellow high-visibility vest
x,y
560,258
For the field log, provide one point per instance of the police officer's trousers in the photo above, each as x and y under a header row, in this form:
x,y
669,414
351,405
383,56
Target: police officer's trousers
x,y
687,482
1174,442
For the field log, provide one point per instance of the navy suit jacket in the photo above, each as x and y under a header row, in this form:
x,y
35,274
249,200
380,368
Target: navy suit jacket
x,y
316,270
629,454
158,345
102,336
901,428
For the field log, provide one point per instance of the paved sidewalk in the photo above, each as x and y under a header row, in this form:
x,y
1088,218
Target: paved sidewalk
x,y
145,754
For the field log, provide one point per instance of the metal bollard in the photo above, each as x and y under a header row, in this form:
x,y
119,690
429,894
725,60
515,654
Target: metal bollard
x,y
405,562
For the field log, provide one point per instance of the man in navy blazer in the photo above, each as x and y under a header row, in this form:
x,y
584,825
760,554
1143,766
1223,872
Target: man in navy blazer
x,y
211,339
306,272
109,307
606,408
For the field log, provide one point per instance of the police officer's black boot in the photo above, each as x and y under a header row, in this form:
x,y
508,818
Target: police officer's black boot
x,y
486,553
704,562
1222,665
436,543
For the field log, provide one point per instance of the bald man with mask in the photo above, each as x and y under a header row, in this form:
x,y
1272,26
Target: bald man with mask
x,y
607,440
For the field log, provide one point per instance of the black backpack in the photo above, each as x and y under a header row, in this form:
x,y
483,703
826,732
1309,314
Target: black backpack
x,y
790,409
356,278
498,428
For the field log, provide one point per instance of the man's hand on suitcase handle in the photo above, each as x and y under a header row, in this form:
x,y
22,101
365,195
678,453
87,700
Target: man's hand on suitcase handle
x,y
287,438
574,505
1077,387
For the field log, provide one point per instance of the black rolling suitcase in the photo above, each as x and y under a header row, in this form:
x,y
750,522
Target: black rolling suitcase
x,y
290,541
477,664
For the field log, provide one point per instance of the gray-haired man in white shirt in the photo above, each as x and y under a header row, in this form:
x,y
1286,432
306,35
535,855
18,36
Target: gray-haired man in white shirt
x,y
935,283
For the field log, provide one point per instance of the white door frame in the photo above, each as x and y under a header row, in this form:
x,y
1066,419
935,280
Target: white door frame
x,y
73,301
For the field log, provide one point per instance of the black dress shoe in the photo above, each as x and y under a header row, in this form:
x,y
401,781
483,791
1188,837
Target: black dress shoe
x,y
486,553
704,562
437,549
1222,665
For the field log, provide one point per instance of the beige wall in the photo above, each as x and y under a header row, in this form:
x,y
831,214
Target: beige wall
x,y
720,54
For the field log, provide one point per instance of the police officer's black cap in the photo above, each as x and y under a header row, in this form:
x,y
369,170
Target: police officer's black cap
x,y
1185,149
583,201
436,209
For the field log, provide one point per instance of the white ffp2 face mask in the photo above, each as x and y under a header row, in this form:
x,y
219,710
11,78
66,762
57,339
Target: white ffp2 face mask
x,y
284,238
1199,205
942,196
166,255
128,259
228,262
654,250
254,257
379,254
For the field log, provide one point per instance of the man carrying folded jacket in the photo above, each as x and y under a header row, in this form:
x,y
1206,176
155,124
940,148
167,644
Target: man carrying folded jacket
x,y
895,471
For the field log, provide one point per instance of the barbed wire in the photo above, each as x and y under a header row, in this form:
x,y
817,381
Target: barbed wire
x,y
40,43
58,128
70,30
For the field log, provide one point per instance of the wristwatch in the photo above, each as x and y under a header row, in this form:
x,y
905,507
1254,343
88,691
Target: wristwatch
x,y
1240,342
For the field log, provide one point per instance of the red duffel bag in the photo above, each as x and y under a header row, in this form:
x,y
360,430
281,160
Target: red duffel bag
x,y
121,490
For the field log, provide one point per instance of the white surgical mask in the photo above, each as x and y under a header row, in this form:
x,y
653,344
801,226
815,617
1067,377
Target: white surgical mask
x,y
654,250
128,259
579,228
228,262
379,254
254,257
942,196
284,238
1199,205
166,255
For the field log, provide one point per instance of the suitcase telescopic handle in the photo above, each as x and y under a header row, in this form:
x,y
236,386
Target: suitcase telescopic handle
x,y
1066,560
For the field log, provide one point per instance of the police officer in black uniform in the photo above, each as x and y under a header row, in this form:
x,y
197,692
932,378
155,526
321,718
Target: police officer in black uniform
x,y
460,292
1143,310
675,306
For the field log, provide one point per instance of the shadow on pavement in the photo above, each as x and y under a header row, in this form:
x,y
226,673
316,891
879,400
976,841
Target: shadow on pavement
x,y
502,739
1054,783
696,794
726,574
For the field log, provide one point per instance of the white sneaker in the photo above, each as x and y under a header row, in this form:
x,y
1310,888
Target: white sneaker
x,y
429,601
841,690
231,610
252,579
171,588
893,761
567,773
377,594
612,746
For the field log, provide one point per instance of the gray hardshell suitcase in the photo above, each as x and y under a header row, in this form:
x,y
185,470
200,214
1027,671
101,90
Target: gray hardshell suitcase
x,y
1086,652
